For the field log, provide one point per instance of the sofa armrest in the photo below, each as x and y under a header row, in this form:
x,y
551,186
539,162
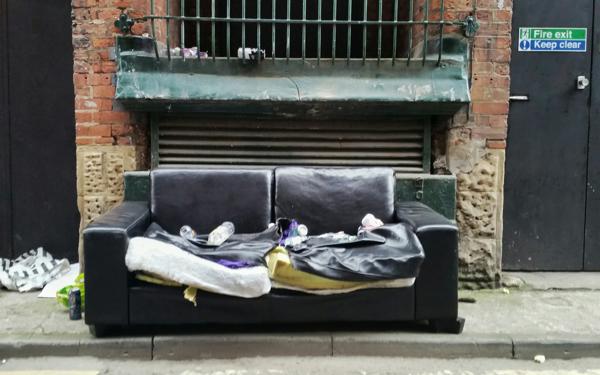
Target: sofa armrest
x,y
422,218
105,242
436,287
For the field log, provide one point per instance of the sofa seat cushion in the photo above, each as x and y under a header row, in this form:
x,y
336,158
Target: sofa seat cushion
x,y
332,200
153,304
204,198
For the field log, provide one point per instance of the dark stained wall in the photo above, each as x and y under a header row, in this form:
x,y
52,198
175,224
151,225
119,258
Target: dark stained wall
x,y
38,58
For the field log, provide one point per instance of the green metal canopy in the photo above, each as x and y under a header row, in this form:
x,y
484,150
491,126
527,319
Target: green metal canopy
x,y
293,88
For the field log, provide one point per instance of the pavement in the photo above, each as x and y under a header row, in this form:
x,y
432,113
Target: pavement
x,y
299,366
556,315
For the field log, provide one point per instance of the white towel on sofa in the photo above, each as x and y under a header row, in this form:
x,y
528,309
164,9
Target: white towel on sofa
x,y
172,263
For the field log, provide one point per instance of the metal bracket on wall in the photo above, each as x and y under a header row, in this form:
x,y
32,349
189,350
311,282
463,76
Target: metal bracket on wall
x,y
124,22
419,186
470,26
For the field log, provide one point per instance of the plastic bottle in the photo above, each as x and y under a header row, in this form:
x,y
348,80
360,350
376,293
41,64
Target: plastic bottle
x,y
302,230
296,234
221,233
187,232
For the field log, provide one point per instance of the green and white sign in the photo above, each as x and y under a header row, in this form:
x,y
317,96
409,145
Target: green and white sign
x,y
552,39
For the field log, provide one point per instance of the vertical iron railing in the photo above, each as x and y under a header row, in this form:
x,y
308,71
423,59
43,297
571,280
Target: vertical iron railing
x,y
212,29
287,32
198,27
273,37
395,34
379,27
411,11
349,33
334,32
228,30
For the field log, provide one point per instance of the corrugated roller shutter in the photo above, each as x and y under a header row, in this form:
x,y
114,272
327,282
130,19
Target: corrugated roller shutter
x,y
189,141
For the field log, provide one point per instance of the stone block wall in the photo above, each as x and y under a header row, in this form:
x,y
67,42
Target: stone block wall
x,y
100,171
470,145
474,143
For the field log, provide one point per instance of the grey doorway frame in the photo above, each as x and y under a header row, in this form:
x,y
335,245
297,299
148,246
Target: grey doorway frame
x,y
591,261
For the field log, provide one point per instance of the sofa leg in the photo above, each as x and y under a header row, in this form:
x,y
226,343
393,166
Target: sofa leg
x,y
447,325
98,330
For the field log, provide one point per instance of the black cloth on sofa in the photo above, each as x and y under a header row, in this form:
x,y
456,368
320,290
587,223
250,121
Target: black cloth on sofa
x,y
389,252
386,253
250,248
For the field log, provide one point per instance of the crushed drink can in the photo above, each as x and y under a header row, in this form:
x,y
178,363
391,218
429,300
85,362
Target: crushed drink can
x,y
75,304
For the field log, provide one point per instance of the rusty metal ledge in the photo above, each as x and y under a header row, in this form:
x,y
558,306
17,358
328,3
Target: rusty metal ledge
x,y
290,89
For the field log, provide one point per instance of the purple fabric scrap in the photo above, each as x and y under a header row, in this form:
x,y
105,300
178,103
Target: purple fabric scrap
x,y
234,264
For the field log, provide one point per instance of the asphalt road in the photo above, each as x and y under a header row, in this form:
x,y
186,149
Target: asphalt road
x,y
297,365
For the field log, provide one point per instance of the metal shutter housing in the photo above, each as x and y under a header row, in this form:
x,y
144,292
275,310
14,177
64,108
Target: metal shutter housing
x,y
192,141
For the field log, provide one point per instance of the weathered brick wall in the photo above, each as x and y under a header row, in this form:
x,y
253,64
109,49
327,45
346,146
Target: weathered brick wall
x,y
109,139
471,145
475,143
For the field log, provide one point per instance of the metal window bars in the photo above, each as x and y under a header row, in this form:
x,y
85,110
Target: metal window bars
x,y
377,30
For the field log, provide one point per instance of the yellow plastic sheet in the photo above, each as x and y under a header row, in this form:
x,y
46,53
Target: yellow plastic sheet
x,y
152,279
282,271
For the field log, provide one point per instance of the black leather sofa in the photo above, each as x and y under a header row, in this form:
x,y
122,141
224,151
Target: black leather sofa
x,y
324,199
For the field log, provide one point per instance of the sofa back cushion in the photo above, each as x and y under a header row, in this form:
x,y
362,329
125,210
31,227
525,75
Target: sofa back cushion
x,y
331,200
204,198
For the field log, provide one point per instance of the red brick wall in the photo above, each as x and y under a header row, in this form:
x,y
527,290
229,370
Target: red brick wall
x,y
490,63
99,120
491,80
472,144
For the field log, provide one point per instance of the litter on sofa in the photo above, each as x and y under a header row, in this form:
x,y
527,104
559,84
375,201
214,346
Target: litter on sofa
x,y
283,256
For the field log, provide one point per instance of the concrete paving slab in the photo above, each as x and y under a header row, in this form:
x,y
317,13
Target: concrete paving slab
x,y
422,345
557,347
117,348
241,345
532,313
557,280
68,346
533,320
304,366
25,314
39,347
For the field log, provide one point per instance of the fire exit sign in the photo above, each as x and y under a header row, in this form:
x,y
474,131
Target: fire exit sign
x,y
552,39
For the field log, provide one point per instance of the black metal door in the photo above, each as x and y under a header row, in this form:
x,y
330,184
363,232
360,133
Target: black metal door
x,y
5,215
37,129
546,165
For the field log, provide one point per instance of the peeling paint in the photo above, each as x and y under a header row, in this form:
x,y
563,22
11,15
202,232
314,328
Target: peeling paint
x,y
423,91
452,95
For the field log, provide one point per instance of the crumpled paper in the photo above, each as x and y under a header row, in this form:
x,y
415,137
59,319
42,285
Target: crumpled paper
x,y
32,270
